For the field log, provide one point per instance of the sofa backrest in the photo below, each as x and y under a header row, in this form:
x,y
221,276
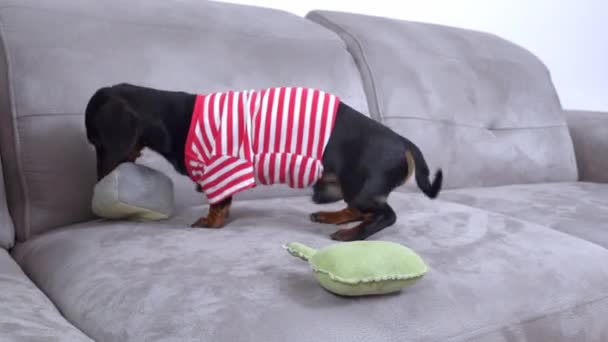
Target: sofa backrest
x,y
7,231
55,54
480,107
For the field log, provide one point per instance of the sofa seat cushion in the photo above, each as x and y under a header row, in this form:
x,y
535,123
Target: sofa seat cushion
x,y
26,314
579,209
489,276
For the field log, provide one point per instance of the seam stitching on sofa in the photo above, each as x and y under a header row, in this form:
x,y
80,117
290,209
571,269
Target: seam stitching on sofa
x,y
16,145
526,128
364,67
448,122
168,27
25,116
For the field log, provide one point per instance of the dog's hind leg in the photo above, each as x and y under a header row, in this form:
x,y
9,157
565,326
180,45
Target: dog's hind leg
x,y
376,213
375,219
327,190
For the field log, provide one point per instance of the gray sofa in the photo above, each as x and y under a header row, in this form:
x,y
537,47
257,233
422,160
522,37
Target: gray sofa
x,y
517,244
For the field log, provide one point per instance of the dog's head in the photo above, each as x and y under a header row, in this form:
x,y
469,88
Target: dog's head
x,y
114,129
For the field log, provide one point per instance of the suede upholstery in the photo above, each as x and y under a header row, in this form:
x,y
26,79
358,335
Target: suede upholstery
x,y
488,275
58,53
579,209
589,132
7,231
27,315
513,262
480,107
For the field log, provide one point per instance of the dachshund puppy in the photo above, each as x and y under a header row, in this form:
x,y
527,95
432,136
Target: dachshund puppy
x,y
232,141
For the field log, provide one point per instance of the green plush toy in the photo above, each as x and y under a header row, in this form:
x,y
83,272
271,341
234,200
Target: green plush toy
x,y
361,268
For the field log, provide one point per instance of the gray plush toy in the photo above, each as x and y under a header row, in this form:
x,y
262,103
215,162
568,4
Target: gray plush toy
x,y
134,192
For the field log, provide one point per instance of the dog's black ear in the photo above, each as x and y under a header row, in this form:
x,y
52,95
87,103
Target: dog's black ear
x,y
117,132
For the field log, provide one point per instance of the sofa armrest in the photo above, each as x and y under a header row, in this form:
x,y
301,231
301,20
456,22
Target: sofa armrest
x,y
589,131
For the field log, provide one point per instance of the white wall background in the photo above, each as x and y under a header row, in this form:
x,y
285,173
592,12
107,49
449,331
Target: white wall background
x,y
569,36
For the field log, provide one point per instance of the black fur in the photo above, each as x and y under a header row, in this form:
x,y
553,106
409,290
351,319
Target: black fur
x,y
364,161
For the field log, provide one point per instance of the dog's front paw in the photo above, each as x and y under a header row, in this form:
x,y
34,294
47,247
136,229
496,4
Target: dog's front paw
x,y
319,217
205,222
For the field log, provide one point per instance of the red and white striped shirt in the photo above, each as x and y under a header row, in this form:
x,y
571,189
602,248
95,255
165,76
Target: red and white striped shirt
x,y
240,139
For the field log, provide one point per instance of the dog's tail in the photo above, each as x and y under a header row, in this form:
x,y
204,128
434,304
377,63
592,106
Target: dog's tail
x,y
415,162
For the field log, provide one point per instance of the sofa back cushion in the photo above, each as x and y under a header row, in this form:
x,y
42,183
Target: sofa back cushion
x,y
480,107
56,54
7,231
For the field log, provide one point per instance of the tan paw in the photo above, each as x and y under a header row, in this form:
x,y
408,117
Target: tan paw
x,y
344,216
205,222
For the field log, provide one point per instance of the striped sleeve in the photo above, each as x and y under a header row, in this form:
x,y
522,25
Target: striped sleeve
x,y
229,168
225,176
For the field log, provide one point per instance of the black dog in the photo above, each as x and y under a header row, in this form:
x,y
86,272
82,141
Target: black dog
x,y
363,162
